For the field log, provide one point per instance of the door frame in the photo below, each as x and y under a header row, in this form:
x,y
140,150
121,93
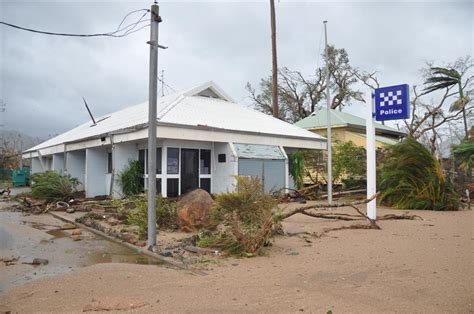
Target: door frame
x,y
195,174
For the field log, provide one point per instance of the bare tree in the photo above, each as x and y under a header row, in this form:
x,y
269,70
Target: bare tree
x,y
428,120
299,96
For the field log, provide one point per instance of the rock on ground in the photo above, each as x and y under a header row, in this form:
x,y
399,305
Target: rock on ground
x,y
194,210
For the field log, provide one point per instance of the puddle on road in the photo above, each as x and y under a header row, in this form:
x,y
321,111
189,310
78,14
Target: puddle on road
x,y
39,236
57,233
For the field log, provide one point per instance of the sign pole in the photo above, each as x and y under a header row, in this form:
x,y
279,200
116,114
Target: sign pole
x,y
328,117
371,169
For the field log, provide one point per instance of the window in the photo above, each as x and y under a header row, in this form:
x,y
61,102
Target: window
x,y
221,158
206,184
205,161
141,158
158,186
172,187
158,159
109,163
173,161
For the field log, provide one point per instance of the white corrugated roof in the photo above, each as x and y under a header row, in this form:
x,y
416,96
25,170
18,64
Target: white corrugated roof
x,y
186,109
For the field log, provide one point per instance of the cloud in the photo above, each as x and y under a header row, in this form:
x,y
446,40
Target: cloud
x,y
43,78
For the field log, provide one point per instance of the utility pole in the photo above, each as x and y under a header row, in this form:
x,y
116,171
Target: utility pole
x,y
275,108
328,117
152,104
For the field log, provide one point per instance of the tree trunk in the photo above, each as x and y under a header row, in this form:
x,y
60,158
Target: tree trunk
x,y
275,108
461,96
466,130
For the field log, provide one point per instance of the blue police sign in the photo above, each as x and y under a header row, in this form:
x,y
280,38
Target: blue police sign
x,y
392,103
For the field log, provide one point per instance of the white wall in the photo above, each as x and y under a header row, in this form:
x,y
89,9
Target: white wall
x,y
223,173
76,166
58,163
122,154
96,168
36,165
47,162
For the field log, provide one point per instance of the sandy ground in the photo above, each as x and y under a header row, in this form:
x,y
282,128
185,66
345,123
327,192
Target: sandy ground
x,y
408,266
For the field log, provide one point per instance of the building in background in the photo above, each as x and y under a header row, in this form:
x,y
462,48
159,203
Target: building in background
x,y
347,127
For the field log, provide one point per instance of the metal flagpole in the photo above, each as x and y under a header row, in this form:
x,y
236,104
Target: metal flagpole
x,y
371,177
328,98
152,104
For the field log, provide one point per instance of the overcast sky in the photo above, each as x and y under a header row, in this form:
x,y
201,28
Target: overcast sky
x,y
43,78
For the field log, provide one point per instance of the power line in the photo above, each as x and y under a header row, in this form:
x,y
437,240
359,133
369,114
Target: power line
x,y
116,33
125,17
133,25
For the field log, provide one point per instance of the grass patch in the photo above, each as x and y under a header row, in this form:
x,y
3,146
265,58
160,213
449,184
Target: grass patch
x,y
136,211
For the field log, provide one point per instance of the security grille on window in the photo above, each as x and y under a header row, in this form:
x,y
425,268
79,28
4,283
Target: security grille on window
x,y
205,161
173,161
143,159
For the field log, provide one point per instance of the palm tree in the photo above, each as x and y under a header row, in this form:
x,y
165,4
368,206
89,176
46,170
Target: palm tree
x,y
445,78
464,153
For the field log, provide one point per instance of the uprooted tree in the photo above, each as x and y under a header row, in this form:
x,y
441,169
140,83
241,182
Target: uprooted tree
x,y
247,218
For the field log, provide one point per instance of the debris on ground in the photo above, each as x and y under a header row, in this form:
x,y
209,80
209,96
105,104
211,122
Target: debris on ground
x,y
240,223
76,232
68,226
6,191
114,304
38,261
8,261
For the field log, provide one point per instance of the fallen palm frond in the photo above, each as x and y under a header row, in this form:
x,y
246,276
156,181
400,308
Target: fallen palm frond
x,y
412,178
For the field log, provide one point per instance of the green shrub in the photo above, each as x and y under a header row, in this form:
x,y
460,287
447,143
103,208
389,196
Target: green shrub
x,y
412,178
137,215
349,160
245,216
52,186
353,183
131,179
296,161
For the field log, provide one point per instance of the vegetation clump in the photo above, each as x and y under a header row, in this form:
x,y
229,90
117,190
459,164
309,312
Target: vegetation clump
x,y
131,179
136,211
244,219
52,186
464,154
296,160
411,177
349,164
